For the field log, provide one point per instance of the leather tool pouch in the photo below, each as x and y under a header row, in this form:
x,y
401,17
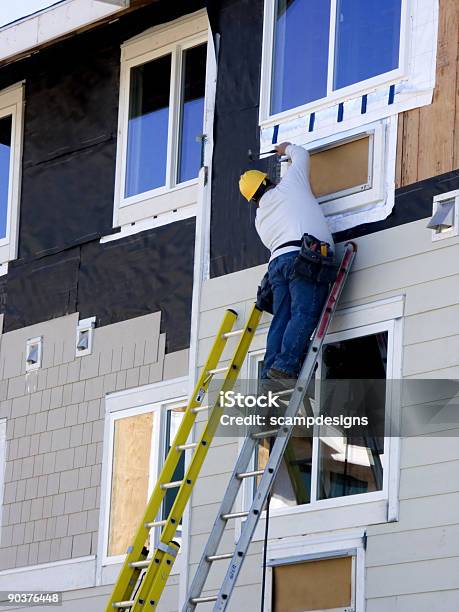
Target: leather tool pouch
x,y
265,295
310,264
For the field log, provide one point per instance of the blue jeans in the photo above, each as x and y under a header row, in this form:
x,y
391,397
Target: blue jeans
x,y
297,306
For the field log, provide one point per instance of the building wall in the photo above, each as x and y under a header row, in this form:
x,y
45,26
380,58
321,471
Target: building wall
x,y
410,563
55,422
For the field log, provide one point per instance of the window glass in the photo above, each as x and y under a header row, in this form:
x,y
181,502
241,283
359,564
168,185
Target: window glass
x,y
300,61
353,382
148,126
367,39
192,112
5,160
174,418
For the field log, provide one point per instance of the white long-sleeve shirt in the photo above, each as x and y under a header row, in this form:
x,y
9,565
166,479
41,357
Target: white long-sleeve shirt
x,y
290,209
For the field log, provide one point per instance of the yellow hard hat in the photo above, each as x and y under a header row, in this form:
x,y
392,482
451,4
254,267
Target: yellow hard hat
x,y
249,183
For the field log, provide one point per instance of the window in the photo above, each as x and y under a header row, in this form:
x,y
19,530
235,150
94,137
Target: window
x,y
315,49
325,466
316,573
11,108
139,441
351,171
161,120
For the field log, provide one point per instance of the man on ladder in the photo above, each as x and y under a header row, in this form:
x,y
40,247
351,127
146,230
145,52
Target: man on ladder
x,y
290,223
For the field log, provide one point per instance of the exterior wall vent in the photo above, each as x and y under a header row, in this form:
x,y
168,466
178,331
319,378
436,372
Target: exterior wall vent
x,y
445,216
84,336
34,349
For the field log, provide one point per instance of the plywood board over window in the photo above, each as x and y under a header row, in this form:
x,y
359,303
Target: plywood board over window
x,y
131,461
324,584
341,168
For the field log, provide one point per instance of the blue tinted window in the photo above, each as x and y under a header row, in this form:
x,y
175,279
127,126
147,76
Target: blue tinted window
x,y
192,112
5,154
300,62
148,126
367,39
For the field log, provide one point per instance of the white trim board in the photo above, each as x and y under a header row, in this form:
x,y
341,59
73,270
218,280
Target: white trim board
x,y
65,575
50,24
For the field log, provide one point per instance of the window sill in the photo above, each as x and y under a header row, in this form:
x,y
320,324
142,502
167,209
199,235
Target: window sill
x,y
155,203
319,517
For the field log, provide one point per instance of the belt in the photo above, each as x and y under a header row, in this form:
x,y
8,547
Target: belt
x,y
296,243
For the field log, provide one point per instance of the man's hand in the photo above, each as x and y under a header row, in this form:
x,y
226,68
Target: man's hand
x,y
280,148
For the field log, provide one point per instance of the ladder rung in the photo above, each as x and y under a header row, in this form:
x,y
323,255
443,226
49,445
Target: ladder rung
x,y
218,370
219,557
266,434
155,524
140,564
234,515
171,485
236,332
198,600
251,474
199,409
123,604
283,392
187,446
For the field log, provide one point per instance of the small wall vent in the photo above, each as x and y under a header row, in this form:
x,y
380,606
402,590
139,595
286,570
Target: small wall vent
x,y
445,215
84,336
34,349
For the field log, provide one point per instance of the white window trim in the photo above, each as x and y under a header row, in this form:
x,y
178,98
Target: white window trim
x,y
379,506
346,209
454,230
29,367
158,397
305,548
12,103
157,204
400,73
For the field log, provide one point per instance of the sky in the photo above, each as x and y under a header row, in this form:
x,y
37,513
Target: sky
x,y
10,11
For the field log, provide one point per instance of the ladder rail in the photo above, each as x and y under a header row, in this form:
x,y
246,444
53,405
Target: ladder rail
x,y
129,573
282,438
155,578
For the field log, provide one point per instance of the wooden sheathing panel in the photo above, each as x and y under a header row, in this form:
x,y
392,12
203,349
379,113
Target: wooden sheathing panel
x,y
131,460
430,144
325,584
340,167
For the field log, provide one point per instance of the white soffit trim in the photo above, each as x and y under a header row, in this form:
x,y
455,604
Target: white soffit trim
x,y
53,22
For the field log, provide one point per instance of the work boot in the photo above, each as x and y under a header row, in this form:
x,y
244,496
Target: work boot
x,y
282,380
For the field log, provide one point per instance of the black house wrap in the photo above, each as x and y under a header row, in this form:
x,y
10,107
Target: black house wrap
x,y
68,175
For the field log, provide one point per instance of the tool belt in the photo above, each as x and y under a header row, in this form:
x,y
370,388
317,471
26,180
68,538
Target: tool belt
x,y
315,261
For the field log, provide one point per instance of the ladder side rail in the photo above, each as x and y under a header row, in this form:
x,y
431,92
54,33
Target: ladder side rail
x,y
227,504
284,434
160,566
129,575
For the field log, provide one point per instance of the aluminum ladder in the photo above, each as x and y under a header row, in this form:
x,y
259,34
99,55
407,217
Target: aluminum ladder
x,y
143,577
268,474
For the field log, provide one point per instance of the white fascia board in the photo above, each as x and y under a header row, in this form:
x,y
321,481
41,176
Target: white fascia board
x,y
52,23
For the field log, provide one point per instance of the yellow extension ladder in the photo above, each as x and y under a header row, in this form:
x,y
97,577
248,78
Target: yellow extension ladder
x,y
143,577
